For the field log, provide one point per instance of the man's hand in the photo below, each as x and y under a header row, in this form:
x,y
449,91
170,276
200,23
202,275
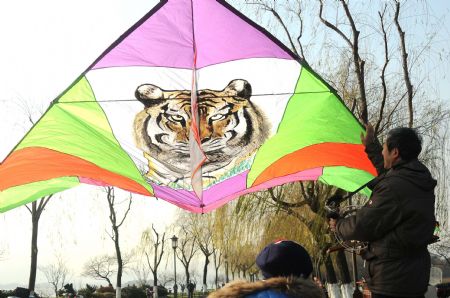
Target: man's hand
x,y
370,135
332,222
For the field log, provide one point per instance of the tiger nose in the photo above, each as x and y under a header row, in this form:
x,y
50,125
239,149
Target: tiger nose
x,y
205,135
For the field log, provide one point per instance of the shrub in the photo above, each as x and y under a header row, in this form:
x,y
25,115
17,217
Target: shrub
x,y
133,292
87,292
108,289
5,294
162,291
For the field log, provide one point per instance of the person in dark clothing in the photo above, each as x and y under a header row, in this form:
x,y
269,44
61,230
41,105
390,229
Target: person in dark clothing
x,y
398,220
286,267
191,289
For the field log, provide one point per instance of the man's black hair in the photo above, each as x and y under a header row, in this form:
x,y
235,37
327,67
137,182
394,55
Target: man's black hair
x,y
406,140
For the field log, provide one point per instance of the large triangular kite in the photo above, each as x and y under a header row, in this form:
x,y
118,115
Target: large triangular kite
x,y
195,104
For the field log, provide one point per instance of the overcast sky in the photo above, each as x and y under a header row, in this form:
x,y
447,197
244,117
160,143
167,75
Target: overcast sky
x,y
45,45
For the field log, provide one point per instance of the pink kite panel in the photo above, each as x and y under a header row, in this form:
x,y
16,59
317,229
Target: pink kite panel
x,y
229,189
220,35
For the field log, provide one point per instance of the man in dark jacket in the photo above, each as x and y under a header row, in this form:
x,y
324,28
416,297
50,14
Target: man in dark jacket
x,y
398,220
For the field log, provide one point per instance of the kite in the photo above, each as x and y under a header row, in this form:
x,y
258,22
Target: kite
x,y
194,104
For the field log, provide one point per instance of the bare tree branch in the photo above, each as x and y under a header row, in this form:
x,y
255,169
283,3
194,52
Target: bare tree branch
x,y
279,201
333,27
359,64
280,20
42,203
288,208
300,34
100,267
126,212
383,71
357,61
409,87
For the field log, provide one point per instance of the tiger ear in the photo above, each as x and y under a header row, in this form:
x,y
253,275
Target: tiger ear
x,y
149,94
240,88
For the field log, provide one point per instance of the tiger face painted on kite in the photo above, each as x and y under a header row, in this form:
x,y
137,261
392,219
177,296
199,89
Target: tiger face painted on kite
x,y
230,125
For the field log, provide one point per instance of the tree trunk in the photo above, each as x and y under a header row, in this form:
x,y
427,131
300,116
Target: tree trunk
x,y
155,262
205,269
188,277
226,273
34,249
109,282
155,278
119,264
217,278
115,236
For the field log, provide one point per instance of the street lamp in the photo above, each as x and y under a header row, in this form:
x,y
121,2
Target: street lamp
x,y
174,246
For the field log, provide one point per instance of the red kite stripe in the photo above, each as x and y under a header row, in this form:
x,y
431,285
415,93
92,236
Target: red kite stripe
x,y
34,164
324,154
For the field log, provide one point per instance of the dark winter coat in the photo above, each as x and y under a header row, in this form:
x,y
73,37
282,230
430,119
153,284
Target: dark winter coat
x,y
276,287
398,222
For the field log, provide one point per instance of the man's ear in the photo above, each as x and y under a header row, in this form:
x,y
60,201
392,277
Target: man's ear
x,y
396,153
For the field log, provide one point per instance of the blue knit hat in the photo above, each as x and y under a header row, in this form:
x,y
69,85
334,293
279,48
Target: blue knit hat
x,y
284,258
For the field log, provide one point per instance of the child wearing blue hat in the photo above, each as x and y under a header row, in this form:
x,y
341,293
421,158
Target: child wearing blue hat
x,y
286,267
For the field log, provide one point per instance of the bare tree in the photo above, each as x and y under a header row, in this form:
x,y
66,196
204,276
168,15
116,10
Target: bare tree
x,y
56,274
115,225
100,267
35,211
165,278
187,248
141,271
153,247
218,259
369,84
202,227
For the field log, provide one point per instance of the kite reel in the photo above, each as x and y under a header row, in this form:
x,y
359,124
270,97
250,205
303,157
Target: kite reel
x,y
335,210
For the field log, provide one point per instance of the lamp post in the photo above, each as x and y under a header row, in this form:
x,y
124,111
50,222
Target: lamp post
x,y
174,246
